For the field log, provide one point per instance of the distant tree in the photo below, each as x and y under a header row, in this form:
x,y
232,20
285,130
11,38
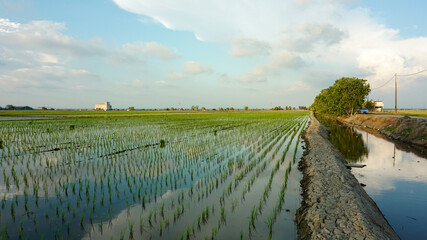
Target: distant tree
x,y
172,109
370,105
10,107
195,108
131,108
246,108
293,108
203,109
167,109
221,109
231,108
345,97
44,108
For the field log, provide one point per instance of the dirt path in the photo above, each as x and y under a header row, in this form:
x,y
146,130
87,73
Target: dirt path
x,y
334,204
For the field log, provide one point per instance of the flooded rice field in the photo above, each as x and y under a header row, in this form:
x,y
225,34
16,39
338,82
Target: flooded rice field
x,y
395,178
213,176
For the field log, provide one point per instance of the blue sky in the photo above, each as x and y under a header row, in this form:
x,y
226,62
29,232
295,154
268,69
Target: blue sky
x,y
212,53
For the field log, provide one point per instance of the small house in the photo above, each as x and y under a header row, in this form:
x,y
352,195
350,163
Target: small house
x,y
378,106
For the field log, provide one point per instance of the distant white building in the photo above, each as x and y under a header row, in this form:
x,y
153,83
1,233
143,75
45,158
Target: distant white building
x,y
103,106
378,106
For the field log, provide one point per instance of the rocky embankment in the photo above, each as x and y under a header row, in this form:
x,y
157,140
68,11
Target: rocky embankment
x,y
334,204
412,131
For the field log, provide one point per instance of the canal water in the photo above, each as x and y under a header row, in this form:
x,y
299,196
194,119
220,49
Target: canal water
x,y
395,178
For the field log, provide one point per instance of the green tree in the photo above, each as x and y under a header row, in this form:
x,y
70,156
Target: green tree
x,y
370,105
345,97
246,108
131,108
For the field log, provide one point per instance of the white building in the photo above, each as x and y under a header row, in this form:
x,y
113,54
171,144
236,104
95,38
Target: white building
x,y
378,106
103,106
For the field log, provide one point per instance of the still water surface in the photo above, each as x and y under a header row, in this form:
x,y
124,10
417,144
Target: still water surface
x,y
395,179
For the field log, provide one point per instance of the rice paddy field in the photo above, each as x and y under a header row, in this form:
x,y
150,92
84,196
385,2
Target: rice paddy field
x,y
158,176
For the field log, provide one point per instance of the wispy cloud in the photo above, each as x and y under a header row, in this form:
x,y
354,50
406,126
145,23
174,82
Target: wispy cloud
x,y
150,49
163,84
194,68
244,47
39,55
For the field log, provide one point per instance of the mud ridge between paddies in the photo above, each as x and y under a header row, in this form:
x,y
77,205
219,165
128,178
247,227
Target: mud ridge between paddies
x,y
408,130
334,204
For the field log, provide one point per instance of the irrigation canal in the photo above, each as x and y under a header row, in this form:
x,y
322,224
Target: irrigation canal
x,y
395,178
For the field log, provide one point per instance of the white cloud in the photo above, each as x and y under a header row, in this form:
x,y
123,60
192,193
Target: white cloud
x,y
279,62
222,20
251,78
44,36
39,55
163,84
23,78
192,67
79,72
150,49
300,86
177,76
323,35
243,47
7,26
305,37
134,84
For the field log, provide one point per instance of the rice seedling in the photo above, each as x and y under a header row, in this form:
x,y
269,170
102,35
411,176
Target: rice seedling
x,y
100,165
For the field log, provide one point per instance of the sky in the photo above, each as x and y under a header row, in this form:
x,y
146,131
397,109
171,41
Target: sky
x,y
210,53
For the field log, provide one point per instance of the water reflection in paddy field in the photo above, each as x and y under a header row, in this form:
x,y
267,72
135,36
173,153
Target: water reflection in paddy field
x,y
184,177
395,179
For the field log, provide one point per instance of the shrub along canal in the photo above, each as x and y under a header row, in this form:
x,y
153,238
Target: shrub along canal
x,y
396,179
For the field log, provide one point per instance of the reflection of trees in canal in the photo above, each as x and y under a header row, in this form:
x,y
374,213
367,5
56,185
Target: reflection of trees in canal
x,y
346,139
349,142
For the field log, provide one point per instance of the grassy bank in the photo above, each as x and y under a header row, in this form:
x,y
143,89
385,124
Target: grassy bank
x,y
415,113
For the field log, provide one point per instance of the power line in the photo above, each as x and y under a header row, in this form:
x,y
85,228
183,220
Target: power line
x,y
384,83
403,75
406,75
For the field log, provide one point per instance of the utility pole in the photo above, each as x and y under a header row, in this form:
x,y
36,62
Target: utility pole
x,y
395,93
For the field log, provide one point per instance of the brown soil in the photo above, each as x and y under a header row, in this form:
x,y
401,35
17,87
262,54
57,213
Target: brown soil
x,y
409,130
334,204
